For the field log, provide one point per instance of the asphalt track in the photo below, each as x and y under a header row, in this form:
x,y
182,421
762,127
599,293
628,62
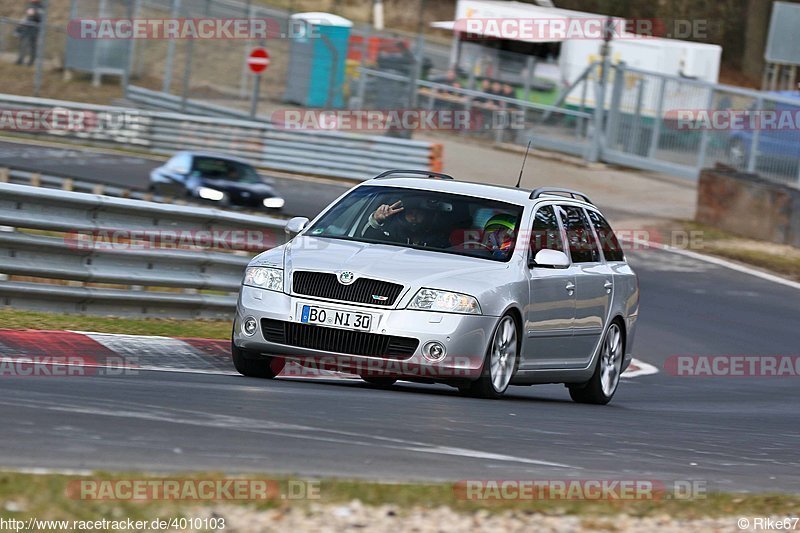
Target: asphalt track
x,y
732,433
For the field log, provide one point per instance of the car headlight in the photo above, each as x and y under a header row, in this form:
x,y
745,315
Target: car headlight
x,y
274,202
444,301
266,278
207,193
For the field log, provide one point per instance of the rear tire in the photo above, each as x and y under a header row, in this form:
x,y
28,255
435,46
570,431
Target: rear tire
x,y
254,365
604,382
499,364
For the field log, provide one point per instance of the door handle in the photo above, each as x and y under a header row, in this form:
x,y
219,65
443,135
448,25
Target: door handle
x,y
608,285
570,286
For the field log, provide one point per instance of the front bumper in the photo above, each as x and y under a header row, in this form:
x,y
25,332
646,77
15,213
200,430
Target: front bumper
x,y
465,337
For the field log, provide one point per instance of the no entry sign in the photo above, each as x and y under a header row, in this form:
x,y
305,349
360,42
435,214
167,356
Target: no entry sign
x,y
258,61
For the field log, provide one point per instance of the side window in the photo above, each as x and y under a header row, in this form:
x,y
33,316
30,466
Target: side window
x,y
545,234
582,245
608,241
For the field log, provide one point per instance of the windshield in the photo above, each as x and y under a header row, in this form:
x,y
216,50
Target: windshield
x,y
225,169
427,220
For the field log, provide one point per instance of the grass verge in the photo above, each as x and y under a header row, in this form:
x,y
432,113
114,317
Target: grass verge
x,y
780,259
57,497
207,329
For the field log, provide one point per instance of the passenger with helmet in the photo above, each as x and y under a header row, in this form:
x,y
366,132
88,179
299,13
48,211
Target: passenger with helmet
x,y
499,235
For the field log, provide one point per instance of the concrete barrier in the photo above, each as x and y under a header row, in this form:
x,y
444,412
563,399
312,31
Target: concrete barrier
x,y
749,206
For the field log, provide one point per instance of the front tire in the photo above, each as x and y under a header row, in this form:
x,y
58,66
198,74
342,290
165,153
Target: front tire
x,y
604,382
500,362
255,366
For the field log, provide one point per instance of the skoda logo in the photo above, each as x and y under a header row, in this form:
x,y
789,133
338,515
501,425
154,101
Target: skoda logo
x,y
346,277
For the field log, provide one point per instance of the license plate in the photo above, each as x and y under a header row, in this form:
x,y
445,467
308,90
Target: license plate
x,y
336,318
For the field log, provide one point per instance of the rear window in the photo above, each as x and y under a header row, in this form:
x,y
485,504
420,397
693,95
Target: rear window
x,y
608,240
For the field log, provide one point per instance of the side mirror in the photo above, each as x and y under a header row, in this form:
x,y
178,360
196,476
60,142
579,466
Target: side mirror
x,y
295,226
550,259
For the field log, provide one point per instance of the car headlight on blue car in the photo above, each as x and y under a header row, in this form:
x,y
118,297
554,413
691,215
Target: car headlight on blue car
x,y
207,193
273,203
264,278
445,302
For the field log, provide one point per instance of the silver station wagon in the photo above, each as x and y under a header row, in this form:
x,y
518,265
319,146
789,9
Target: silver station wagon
x,y
415,276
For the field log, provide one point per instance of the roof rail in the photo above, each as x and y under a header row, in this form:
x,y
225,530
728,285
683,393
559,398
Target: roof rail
x,y
418,173
550,191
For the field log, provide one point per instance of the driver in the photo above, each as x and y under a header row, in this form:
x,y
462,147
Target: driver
x,y
498,234
407,221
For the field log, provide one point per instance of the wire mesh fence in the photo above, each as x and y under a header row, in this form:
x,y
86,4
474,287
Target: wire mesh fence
x,y
685,125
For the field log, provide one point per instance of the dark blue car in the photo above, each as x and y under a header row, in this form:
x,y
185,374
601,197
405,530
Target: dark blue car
x,y
216,179
777,148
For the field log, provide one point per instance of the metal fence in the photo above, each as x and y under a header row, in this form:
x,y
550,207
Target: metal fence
x,y
648,120
494,118
76,252
324,153
679,126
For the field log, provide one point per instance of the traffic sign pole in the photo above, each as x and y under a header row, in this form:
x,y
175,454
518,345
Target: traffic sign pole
x,y
256,94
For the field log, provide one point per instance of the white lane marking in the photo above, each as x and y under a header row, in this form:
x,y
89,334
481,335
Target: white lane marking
x,y
462,452
158,413
640,369
719,262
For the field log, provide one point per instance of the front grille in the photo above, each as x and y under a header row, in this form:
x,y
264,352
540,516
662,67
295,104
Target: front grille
x,y
341,341
250,200
362,290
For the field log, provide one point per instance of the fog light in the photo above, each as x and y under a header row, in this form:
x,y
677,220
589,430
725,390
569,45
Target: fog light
x,y
434,351
249,326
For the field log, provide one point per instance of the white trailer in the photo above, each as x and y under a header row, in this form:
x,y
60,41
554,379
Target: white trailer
x,y
671,57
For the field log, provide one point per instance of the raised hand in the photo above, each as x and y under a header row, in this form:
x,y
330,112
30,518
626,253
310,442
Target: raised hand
x,y
385,211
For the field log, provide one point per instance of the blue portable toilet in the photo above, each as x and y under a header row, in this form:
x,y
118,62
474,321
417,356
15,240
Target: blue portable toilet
x,y
317,57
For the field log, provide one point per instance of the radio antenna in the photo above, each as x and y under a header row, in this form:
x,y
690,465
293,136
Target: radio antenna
x,y
522,169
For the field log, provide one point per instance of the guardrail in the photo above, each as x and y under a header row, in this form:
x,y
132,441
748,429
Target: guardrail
x,y
64,183
67,183
159,260
323,153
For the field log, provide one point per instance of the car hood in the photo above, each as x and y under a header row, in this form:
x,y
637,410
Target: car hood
x,y
411,267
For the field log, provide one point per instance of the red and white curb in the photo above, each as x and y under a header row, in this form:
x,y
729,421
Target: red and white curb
x,y
152,353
